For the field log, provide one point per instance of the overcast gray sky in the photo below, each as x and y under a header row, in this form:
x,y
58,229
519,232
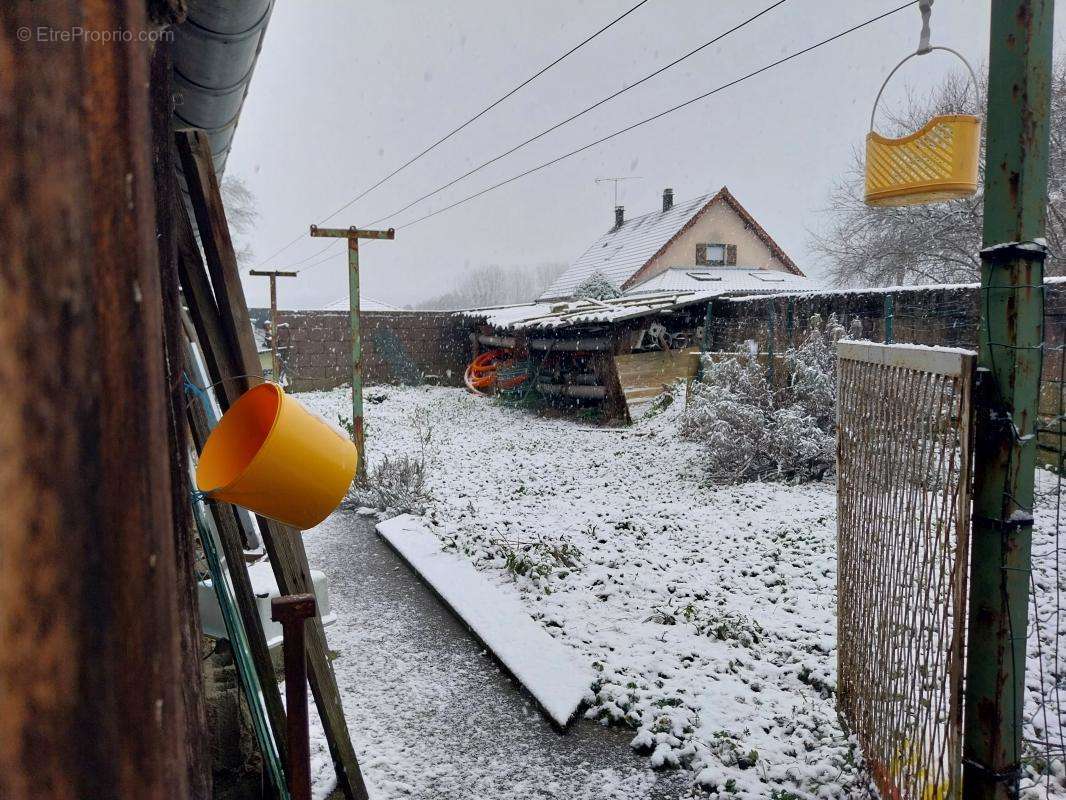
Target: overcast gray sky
x,y
344,92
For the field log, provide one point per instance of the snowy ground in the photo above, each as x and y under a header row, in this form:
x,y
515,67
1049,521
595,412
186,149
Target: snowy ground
x,y
707,613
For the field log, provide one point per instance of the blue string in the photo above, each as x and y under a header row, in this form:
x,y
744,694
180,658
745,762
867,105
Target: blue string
x,y
197,496
192,388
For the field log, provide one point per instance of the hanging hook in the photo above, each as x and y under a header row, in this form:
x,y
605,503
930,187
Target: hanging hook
x,y
926,7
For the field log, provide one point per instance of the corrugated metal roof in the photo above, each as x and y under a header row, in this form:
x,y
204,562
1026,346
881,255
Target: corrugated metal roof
x,y
722,280
623,250
562,314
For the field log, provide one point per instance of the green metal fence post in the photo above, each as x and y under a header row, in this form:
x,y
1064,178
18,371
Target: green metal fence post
x,y
890,318
1011,337
708,338
770,334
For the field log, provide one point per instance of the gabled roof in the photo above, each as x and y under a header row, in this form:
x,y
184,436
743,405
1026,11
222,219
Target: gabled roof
x,y
722,280
623,252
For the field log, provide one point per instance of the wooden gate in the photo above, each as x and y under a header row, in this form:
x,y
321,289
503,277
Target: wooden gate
x,y
904,451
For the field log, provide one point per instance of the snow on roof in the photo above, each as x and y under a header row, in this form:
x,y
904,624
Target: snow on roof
x,y
914,287
723,280
561,314
623,250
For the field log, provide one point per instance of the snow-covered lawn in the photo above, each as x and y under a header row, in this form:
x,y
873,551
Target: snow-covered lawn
x,y
707,613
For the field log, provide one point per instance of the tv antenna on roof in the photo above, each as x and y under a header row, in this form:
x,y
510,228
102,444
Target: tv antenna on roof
x,y
617,181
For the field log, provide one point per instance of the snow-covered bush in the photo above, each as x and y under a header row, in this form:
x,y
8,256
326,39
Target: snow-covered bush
x,y
597,287
397,485
394,485
754,431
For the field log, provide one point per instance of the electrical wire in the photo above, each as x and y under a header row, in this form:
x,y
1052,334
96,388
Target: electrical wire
x,y
661,114
472,119
584,111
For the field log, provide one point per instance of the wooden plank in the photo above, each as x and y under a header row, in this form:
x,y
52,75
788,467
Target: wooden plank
x,y
643,376
194,707
203,312
194,149
948,361
90,695
284,545
546,668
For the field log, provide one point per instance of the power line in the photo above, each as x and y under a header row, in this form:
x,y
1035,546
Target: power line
x,y
314,264
679,106
647,120
584,111
477,116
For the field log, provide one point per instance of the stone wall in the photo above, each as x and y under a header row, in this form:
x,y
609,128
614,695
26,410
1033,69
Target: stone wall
x,y
407,347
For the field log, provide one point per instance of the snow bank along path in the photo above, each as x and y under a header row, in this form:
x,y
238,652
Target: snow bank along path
x,y
544,667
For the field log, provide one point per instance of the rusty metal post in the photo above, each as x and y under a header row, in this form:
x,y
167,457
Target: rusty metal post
x,y
1012,341
353,235
273,275
292,611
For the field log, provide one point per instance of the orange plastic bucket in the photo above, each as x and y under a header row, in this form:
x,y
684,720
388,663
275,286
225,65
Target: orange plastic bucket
x,y
272,456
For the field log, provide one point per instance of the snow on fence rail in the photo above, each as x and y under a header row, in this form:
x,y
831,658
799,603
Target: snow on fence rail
x,y
904,445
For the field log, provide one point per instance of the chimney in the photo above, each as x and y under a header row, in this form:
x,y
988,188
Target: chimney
x,y
668,199
619,216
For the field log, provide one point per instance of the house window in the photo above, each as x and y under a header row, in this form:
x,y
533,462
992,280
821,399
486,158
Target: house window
x,y
716,254
703,276
767,277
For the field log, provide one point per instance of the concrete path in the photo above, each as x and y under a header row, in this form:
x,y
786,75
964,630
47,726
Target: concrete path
x,y
431,715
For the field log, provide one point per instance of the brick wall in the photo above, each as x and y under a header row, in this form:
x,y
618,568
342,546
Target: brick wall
x,y
398,347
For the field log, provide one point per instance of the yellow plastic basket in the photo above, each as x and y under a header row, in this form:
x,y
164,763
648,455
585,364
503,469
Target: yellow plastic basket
x,y
935,163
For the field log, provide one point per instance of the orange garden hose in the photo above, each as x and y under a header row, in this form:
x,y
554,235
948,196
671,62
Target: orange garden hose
x,y
481,374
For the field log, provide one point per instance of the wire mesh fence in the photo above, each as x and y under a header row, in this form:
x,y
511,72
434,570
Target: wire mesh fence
x,y
904,446
945,316
1043,755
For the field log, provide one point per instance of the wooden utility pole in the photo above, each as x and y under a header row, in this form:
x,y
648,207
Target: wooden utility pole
x,y
353,235
273,275
1012,342
90,664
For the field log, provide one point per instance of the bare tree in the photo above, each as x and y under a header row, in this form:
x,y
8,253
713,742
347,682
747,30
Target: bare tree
x,y
242,212
495,285
937,243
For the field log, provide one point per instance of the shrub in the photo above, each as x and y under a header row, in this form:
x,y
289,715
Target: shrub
x,y
753,431
393,484
597,286
397,484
